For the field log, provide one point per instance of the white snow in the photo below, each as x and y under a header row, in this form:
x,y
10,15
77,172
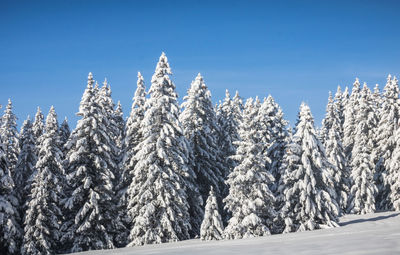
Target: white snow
x,y
376,233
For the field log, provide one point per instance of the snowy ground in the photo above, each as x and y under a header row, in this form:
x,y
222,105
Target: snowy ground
x,y
377,233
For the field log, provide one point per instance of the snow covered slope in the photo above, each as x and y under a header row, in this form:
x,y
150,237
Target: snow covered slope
x,y
377,233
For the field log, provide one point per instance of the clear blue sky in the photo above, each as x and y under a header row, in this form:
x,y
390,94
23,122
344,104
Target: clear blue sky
x,y
294,50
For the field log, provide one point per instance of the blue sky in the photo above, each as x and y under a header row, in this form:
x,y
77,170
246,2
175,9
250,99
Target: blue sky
x,y
294,50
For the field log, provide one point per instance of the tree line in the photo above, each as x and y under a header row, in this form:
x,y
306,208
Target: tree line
x,y
171,172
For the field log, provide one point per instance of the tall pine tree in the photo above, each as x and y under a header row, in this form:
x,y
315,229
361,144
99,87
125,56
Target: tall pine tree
x,y
91,199
386,141
201,129
44,214
9,135
307,188
363,189
250,200
157,196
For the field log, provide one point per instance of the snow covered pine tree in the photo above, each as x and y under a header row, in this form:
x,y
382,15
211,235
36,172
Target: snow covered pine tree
x,y
157,196
44,214
249,200
363,189
92,214
211,227
307,185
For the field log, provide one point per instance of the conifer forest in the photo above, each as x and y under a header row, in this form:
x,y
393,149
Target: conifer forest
x,y
171,172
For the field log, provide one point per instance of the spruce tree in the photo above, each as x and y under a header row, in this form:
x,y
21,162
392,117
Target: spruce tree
x,y
249,200
330,117
25,167
133,137
109,121
340,106
363,189
228,117
386,141
349,122
44,214
9,135
307,188
201,129
38,127
274,136
393,176
332,141
157,197
64,131
90,202
211,227
10,230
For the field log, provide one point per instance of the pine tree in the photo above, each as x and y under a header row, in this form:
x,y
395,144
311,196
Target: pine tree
x,y
386,141
330,116
157,197
130,142
363,189
10,230
109,121
25,167
44,214
211,227
65,132
38,127
120,131
90,201
307,186
349,122
393,176
339,103
201,129
332,141
249,200
274,135
9,135
228,117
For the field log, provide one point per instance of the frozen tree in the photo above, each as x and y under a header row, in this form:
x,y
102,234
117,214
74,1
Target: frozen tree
x,y
228,116
332,141
330,116
9,136
211,227
340,106
349,121
44,213
335,155
201,129
10,231
386,140
25,167
393,176
157,197
307,188
120,123
274,135
133,137
109,120
249,200
90,204
377,99
363,189
38,127
64,131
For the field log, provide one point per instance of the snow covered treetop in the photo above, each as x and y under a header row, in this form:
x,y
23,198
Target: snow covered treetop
x,y
90,80
305,114
51,121
162,67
